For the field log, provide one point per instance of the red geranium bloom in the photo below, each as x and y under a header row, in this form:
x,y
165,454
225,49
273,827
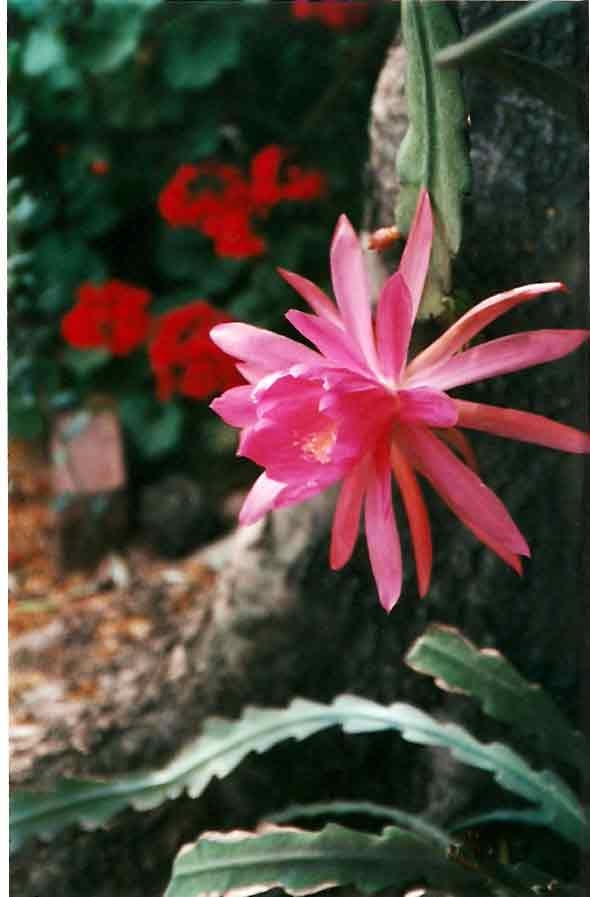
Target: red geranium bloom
x,y
220,202
179,203
337,14
183,357
233,236
111,315
273,182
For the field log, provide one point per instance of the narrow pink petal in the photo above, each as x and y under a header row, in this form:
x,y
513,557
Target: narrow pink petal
x,y
316,298
394,326
416,256
351,287
478,317
508,557
417,515
522,425
251,372
332,341
470,499
501,356
260,499
345,526
458,441
381,530
235,406
260,347
426,406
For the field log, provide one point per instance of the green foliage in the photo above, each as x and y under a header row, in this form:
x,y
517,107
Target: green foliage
x,y
225,744
196,59
457,665
42,52
303,862
410,821
142,87
433,152
155,428
416,852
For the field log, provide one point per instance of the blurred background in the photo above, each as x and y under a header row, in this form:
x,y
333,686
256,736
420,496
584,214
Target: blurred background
x,y
164,158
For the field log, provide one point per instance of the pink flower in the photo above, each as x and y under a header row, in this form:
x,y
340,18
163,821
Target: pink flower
x,y
354,409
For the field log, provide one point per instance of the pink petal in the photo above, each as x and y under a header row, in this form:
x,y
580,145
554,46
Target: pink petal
x,y
508,557
316,298
347,516
260,499
296,443
470,499
457,440
332,341
394,326
261,347
235,406
417,515
381,530
351,286
251,372
501,356
416,256
475,320
522,425
426,406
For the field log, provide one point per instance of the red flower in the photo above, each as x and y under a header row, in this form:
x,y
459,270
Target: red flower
x,y
100,167
221,203
337,14
183,357
270,184
231,231
111,315
179,205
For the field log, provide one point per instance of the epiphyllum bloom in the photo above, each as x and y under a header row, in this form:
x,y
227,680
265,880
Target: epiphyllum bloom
x,y
356,410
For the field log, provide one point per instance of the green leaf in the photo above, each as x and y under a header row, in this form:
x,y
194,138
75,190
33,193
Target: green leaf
x,y
62,261
23,422
458,665
516,814
85,363
224,744
303,862
43,51
154,427
410,821
197,56
433,152
487,38
111,37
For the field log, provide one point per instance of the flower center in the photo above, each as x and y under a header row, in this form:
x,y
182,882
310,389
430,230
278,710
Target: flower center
x,y
318,446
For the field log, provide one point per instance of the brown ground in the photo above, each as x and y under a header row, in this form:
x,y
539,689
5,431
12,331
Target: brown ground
x,y
72,636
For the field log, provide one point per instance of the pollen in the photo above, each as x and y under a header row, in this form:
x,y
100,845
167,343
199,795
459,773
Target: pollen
x,y
318,446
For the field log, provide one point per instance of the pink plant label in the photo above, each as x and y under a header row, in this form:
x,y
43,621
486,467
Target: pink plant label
x,y
87,453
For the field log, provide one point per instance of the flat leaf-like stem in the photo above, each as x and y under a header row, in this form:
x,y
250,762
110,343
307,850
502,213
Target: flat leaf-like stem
x,y
458,665
433,152
487,38
224,744
300,862
409,821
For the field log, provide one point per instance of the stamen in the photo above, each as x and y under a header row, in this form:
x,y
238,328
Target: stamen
x,y
318,446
